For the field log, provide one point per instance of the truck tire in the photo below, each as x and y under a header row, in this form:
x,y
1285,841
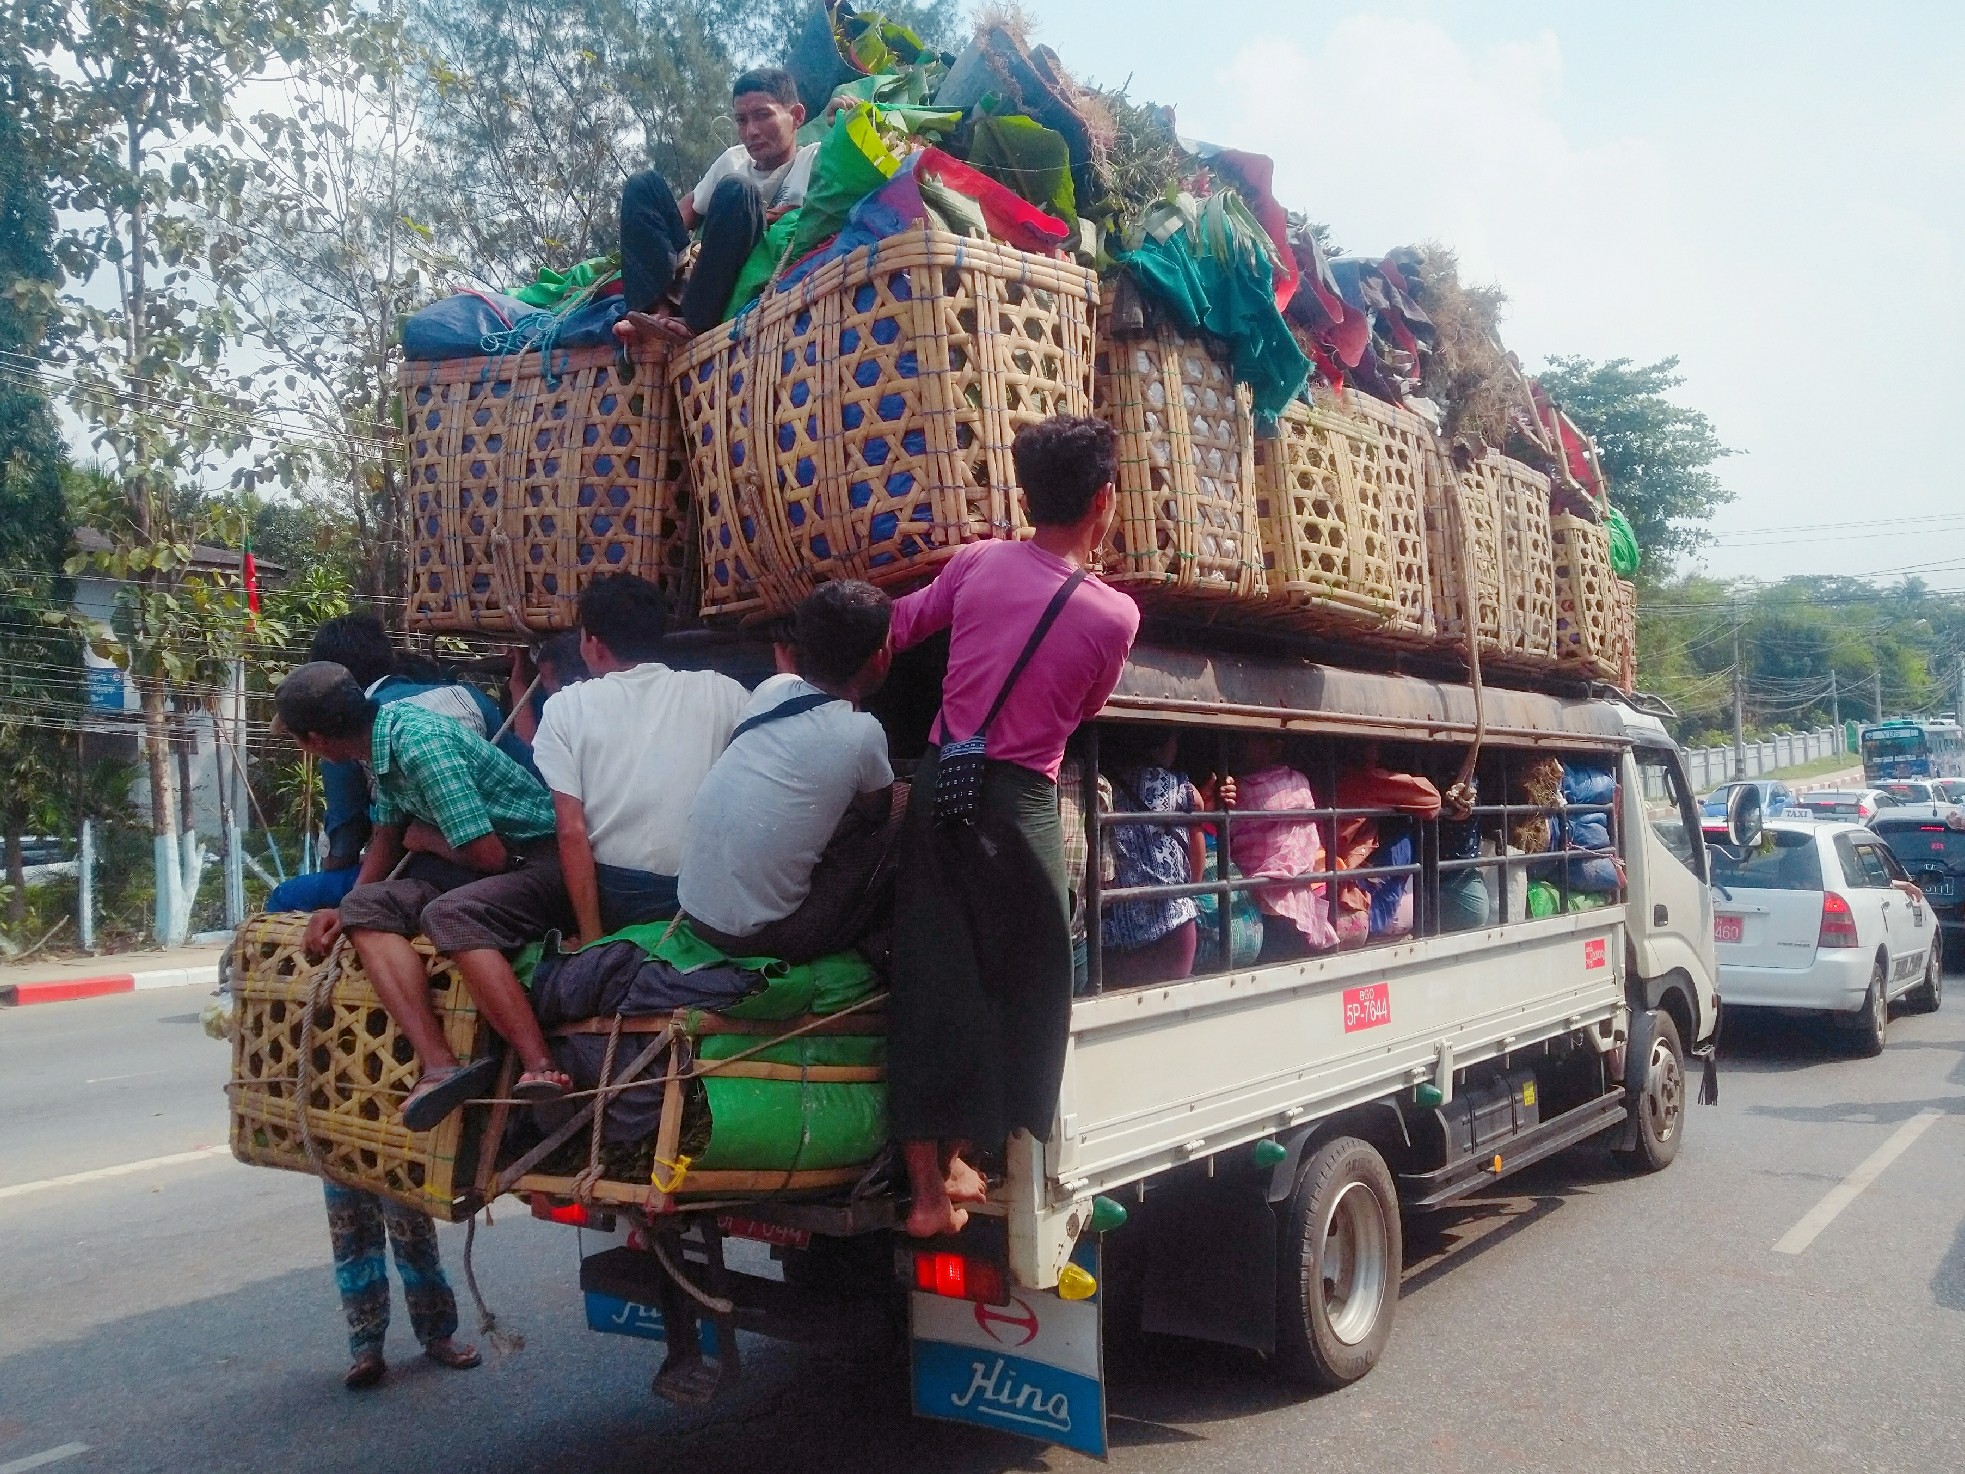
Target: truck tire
x,y
1660,1106
1869,1030
1337,1286
1929,995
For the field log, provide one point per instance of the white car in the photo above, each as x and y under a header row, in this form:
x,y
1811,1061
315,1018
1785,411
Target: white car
x,y
1819,915
1919,798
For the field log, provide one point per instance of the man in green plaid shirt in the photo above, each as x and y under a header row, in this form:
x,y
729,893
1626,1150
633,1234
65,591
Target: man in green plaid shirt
x,y
464,852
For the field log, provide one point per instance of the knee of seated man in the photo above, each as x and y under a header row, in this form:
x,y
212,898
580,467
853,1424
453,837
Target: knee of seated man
x,y
732,195
644,186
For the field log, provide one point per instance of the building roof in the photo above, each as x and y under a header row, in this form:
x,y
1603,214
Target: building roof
x,y
204,557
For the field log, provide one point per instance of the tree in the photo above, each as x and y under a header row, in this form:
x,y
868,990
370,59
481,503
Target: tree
x,y
135,102
41,675
1656,454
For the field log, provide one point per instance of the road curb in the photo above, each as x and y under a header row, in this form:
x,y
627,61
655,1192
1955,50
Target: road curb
x,y
105,985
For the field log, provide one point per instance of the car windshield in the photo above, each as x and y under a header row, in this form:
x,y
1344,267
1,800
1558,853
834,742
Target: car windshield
x,y
1925,846
1952,792
1832,803
1781,861
1910,793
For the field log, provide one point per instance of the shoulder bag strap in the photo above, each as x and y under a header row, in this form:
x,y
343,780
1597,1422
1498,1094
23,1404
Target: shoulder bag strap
x,y
811,701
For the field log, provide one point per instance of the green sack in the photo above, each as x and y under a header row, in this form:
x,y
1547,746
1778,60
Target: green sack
x,y
852,163
1624,552
1543,899
551,290
784,1125
1024,155
762,263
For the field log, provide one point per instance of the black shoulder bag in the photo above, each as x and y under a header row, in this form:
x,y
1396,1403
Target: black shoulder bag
x,y
959,765
810,701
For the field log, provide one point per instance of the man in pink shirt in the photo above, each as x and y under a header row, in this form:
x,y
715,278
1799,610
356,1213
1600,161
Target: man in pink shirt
x,y
981,1001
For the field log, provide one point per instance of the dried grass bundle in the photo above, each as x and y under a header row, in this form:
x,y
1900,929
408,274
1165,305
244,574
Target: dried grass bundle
x,y
1468,373
1136,158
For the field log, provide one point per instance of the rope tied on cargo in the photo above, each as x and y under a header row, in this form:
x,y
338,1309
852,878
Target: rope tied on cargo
x,y
507,1342
1457,799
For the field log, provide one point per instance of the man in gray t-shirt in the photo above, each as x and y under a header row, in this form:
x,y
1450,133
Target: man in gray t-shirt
x,y
744,191
784,854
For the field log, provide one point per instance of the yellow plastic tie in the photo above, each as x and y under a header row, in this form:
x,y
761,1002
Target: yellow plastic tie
x,y
674,1184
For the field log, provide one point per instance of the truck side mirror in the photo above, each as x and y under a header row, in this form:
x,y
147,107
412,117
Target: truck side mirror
x,y
1744,817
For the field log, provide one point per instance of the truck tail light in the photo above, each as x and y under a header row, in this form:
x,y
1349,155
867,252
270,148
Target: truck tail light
x,y
958,1277
1838,923
573,1214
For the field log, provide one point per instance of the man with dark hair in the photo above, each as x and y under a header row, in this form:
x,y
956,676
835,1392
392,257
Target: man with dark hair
x,y
623,755
981,1002
483,877
790,836
359,642
557,665
748,187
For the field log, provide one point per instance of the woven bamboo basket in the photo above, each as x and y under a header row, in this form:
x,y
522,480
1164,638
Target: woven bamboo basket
x,y
1586,597
1625,640
530,474
1323,527
857,424
1469,587
1528,566
1392,453
1186,526
762,1052
359,1066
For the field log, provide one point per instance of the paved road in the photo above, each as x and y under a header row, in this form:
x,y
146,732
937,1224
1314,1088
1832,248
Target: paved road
x,y
182,1318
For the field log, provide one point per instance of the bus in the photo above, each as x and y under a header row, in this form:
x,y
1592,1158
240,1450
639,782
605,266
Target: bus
x,y
1913,749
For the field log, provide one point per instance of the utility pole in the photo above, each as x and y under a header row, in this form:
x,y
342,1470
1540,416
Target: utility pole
x,y
1835,708
1739,713
1876,690
1958,696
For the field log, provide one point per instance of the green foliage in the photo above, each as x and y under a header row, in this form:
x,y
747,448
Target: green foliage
x,y
1656,454
1794,637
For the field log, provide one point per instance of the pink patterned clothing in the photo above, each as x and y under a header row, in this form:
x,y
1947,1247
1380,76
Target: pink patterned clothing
x,y
1282,847
989,597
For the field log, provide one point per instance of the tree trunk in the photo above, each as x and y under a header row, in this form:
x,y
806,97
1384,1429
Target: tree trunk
x,y
163,805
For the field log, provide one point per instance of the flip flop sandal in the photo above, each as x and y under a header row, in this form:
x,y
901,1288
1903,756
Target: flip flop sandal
x,y
437,1095
538,1085
447,1353
369,1368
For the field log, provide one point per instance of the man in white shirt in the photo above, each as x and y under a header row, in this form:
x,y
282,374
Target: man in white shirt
x,y
791,837
624,753
746,189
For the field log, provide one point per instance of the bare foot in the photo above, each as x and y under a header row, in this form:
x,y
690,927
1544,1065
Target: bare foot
x,y
652,329
964,1184
936,1219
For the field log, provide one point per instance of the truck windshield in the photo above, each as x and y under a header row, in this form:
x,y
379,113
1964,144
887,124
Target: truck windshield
x,y
1782,861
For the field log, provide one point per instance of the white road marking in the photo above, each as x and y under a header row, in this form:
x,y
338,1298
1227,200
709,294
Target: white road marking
x,y
97,1174
44,1458
112,1079
1846,1191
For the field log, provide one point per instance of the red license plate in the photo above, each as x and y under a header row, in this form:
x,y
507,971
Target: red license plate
x,y
1367,1007
1729,928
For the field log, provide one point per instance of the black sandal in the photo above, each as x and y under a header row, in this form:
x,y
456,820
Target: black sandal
x,y
437,1094
369,1368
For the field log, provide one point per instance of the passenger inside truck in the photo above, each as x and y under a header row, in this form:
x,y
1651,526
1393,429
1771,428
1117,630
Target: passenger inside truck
x,y
1331,843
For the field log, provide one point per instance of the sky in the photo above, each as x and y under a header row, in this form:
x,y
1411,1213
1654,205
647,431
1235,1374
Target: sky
x,y
1774,193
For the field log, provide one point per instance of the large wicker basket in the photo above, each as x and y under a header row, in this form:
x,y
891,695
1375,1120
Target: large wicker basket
x,y
858,423
1625,639
1521,496
1323,527
357,1067
532,473
1586,597
1464,546
1186,525
1392,452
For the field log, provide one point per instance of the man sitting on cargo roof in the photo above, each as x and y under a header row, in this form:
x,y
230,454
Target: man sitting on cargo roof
x,y
483,876
791,828
747,188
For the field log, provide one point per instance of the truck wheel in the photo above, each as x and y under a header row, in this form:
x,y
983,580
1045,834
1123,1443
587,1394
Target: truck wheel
x,y
1929,995
1338,1285
1660,1107
1870,1028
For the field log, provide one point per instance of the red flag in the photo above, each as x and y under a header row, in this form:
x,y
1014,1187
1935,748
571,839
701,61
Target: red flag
x,y
249,571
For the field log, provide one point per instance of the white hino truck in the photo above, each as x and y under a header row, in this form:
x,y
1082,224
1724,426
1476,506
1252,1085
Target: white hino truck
x,y
1234,1152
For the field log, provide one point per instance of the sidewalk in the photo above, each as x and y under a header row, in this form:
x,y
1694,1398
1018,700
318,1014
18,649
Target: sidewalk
x,y
120,972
